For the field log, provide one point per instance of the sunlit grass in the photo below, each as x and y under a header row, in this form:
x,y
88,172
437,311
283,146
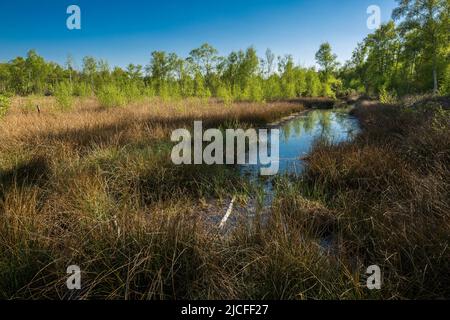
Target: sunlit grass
x,y
95,187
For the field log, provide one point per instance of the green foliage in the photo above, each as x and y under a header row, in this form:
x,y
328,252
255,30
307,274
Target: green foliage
x,y
111,96
82,89
313,84
200,90
388,97
225,95
445,88
408,58
428,22
331,87
326,59
326,90
148,91
5,104
255,90
242,75
272,88
132,92
63,95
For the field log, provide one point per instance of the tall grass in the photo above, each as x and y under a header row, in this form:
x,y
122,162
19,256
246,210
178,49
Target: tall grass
x,y
95,187
389,189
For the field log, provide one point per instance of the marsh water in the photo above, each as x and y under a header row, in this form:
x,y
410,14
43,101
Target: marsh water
x,y
298,135
296,140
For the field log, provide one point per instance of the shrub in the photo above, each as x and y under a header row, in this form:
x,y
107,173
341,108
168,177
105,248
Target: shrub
x,y
111,96
272,88
326,90
149,91
132,92
5,103
388,97
225,95
63,95
82,89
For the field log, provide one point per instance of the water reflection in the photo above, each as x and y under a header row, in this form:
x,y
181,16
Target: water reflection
x,y
298,135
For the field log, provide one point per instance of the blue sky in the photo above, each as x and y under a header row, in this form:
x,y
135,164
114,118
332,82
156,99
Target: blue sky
x,y
127,31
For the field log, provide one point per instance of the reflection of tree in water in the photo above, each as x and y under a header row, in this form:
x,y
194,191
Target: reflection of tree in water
x,y
309,122
328,124
286,132
325,121
297,125
347,125
342,120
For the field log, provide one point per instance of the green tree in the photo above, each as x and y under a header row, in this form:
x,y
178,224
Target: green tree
x,y
429,20
70,65
36,72
326,59
89,69
383,47
205,58
161,68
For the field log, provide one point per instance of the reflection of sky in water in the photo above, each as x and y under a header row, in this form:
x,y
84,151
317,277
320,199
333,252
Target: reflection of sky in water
x,y
298,135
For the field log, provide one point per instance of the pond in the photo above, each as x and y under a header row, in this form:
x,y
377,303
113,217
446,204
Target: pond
x,y
297,137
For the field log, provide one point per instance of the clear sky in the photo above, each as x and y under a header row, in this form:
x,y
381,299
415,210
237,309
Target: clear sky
x,y
127,31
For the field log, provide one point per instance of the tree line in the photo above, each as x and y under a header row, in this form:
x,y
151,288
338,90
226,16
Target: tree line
x,y
410,56
241,75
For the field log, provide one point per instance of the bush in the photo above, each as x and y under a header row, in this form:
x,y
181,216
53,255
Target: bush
x,y
5,103
63,95
111,96
388,97
225,95
148,91
82,89
132,92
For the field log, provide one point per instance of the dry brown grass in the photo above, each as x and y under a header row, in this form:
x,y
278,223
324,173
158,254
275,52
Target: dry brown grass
x,y
95,187
390,190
